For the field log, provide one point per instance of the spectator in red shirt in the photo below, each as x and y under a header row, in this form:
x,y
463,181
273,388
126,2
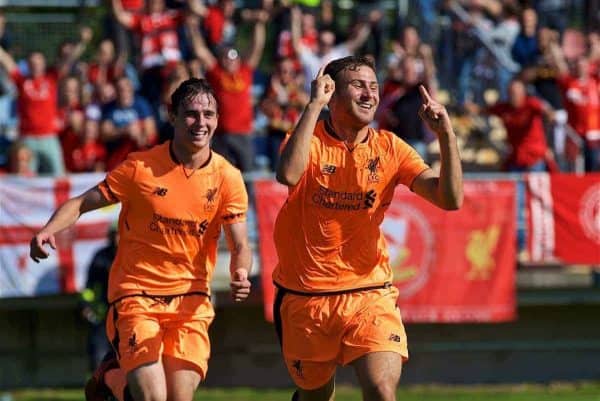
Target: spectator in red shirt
x,y
87,154
282,103
523,119
107,65
231,77
37,105
581,96
157,29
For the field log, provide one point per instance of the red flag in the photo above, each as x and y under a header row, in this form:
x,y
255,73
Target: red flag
x,y
455,266
564,217
270,196
449,266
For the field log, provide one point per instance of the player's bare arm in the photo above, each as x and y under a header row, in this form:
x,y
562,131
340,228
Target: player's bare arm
x,y
241,260
445,190
66,215
294,157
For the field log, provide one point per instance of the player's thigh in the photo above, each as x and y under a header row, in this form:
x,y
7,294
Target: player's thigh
x,y
379,374
311,376
323,393
310,338
182,379
186,338
375,326
148,382
135,333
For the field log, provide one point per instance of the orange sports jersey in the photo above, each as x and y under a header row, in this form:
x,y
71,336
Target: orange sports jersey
x,y
170,221
327,233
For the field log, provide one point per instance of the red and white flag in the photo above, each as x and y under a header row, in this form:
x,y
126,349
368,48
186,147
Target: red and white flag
x,y
26,204
564,217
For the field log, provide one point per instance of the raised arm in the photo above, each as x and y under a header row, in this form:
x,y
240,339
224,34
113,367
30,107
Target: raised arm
x,y
294,157
359,38
201,51
65,216
557,58
445,190
125,18
296,28
241,259
85,36
258,38
7,61
197,7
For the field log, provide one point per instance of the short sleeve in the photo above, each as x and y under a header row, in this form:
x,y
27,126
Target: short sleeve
x,y
234,201
117,186
410,163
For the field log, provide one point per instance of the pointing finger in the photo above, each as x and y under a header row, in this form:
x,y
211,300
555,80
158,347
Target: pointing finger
x,y
320,73
425,95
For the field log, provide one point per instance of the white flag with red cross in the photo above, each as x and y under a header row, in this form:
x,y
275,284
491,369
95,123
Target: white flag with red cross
x,y
26,204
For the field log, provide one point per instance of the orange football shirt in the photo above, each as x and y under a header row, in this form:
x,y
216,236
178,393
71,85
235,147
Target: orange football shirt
x,y
327,233
170,221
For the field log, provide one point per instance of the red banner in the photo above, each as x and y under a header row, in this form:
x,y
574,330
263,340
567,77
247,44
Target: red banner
x,y
449,266
564,218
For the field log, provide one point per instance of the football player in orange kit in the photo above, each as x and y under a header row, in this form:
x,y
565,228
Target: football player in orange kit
x,y
335,304
175,198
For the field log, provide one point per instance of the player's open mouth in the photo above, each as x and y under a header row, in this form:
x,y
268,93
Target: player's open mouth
x,y
366,106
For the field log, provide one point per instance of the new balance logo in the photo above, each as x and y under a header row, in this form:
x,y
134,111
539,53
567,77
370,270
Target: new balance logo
x,y
328,169
370,199
160,191
395,338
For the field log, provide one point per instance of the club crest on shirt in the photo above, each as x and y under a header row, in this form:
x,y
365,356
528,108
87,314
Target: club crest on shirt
x,y
211,195
373,166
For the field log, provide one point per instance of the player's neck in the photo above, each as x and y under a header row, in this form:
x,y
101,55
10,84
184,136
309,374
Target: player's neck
x,y
189,158
350,135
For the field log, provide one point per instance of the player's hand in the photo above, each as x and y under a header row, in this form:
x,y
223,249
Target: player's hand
x,y
36,246
240,286
434,114
322,88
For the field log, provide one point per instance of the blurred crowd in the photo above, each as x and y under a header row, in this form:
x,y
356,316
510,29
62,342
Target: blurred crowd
x,y
521,79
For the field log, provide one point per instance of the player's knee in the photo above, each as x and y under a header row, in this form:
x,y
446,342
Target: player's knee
x,y
382,390
148,392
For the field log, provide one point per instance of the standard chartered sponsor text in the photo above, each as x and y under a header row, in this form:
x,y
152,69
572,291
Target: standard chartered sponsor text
x,y
338,200
175,226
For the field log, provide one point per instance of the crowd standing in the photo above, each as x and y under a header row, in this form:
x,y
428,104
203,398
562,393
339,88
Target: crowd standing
x,y
521,79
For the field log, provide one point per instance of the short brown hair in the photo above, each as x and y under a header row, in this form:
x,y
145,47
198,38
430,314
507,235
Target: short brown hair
x,y
189,89
348,63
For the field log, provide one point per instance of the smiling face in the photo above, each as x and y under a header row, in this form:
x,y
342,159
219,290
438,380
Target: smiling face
x,y
356,96
195,123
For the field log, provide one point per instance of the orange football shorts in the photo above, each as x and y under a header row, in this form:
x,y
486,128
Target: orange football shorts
x,y
143,328
318,333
